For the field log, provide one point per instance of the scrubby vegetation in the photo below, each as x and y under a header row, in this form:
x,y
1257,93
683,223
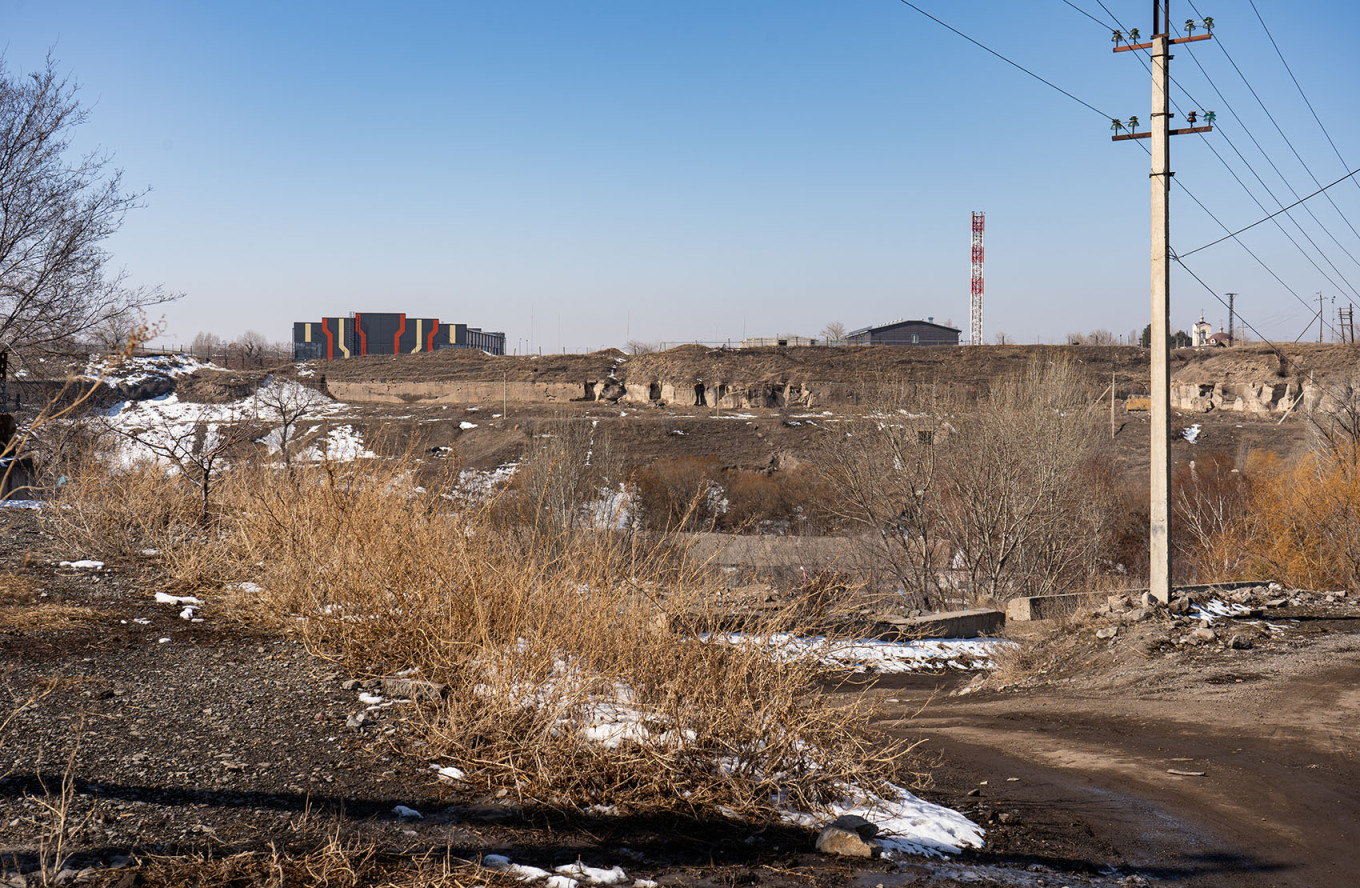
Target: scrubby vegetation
x,y
571,662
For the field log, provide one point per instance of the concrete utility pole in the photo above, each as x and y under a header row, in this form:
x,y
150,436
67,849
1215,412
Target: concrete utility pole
x,y
1159,536
1232,318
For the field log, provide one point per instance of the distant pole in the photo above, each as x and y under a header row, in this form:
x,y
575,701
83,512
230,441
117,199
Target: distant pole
x,y
1112,428
1319,299
1232,318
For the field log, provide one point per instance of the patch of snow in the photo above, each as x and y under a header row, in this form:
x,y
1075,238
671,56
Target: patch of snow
x,y
876,655
141,620
120,371
907,824
162,640
165,598
187,613
20,504
1191,434
407,813
477,485
370,699
1215,608
252,588
501,864
449,772
593,875
465,425
83,564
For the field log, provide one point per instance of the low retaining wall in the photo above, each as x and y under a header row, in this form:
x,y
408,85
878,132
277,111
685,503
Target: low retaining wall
x,y
953,624
1048,607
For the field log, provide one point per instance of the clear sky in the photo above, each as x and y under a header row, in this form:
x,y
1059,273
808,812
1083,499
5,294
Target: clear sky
x,y
582,172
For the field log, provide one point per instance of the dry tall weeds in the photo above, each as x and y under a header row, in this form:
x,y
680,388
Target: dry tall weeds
x,y
575,660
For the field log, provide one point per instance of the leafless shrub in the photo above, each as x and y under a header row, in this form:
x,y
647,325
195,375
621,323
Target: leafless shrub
x,y
987,500
566,479
885,470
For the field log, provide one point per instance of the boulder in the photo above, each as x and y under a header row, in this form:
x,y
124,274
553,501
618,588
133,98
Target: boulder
x,y
846,843
413,689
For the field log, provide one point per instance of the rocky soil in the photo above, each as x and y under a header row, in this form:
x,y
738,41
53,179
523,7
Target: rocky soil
x,y
157,742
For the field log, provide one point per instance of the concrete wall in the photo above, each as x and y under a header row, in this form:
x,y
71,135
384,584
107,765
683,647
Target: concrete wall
x,y
455,392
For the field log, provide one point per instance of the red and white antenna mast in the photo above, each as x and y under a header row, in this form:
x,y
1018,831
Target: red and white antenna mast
x,y
975,310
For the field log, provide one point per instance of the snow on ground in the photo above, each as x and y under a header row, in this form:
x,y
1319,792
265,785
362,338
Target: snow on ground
x,y
128,372
907,824
83,564
613,510
1191,434
478,485
20,504
569,875
876,655
178,600
343,444
149,428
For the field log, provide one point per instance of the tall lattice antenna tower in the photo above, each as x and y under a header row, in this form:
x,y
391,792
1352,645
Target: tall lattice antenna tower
x,y
975,309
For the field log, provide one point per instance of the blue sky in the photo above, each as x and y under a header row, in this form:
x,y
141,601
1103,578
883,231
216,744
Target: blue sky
x,y
698,170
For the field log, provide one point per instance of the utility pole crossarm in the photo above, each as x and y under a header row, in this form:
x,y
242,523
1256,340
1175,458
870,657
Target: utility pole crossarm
x,y
1128,46
1183,131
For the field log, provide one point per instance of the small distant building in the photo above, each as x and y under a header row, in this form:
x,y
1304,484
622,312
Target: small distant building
x,y
1220,340
776,341
1200,332
386,333
925,332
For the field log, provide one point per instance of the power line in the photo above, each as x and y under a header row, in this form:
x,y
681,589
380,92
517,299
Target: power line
x,y
1013,64
1089,16
1233,173
1349,175
1288,142
1279,203
1299,86
1259,261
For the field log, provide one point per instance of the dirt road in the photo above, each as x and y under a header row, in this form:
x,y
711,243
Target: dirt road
x,y
1269,793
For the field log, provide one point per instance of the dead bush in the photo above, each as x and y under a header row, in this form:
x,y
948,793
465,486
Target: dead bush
x,y
576,666
680,493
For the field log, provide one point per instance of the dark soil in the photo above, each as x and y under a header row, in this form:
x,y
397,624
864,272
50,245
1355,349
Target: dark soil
x,y
179,743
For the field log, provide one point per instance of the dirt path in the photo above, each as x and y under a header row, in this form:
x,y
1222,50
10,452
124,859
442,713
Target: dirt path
x,y
1086,773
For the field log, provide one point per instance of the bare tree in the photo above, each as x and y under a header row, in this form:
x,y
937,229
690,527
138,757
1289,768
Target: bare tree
x,y
207,346
198,448
885,470
57,209
1015,510
638,347
250,348
287,403
833,333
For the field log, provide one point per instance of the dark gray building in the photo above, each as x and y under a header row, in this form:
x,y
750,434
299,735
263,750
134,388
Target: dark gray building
x,y
925,332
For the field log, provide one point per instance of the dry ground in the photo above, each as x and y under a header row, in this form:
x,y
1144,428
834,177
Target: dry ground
x,y
227,740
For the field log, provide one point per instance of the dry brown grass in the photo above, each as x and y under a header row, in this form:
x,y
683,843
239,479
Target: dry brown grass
x,y
575,662
332,862
47,617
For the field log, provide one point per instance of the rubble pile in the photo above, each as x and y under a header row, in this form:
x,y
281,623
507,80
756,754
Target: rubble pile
x,y
1224,618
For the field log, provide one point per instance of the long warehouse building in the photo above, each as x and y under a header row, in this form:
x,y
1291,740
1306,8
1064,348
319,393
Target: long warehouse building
x,y
386,333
